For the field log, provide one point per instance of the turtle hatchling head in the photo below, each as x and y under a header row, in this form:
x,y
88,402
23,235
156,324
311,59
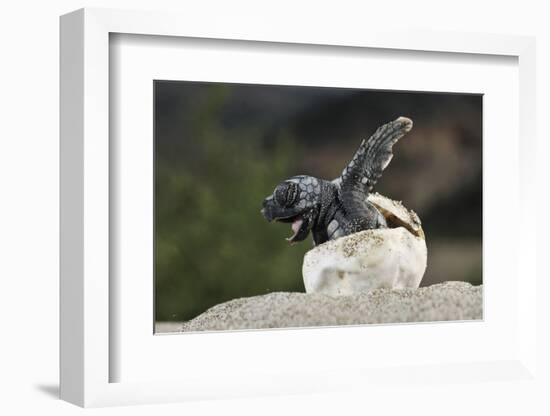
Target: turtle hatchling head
x,y
294,201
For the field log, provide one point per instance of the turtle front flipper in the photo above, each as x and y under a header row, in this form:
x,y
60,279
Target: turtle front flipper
x,y
368,163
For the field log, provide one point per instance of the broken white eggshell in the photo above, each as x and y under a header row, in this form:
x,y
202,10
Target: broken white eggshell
x,y
393,257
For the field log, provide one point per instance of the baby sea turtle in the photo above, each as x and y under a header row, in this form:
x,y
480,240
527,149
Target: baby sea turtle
x,y
333,209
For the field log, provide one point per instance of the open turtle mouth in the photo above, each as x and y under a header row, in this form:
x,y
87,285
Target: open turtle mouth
x,y
296,227
297,223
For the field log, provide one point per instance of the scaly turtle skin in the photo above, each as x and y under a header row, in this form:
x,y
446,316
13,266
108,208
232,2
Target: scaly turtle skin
x,y
332,209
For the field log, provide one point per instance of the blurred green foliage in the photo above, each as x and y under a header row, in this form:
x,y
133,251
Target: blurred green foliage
x,y
211,242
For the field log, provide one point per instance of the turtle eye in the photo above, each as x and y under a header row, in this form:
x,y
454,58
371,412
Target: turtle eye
x,y
286,194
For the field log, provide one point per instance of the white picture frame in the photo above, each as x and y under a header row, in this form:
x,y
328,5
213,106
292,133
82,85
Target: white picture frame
x,y
87,356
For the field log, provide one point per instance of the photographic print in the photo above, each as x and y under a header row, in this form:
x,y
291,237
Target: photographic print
x,y
293,206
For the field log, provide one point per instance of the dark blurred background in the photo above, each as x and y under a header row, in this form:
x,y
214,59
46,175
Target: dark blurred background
x,y
220,149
